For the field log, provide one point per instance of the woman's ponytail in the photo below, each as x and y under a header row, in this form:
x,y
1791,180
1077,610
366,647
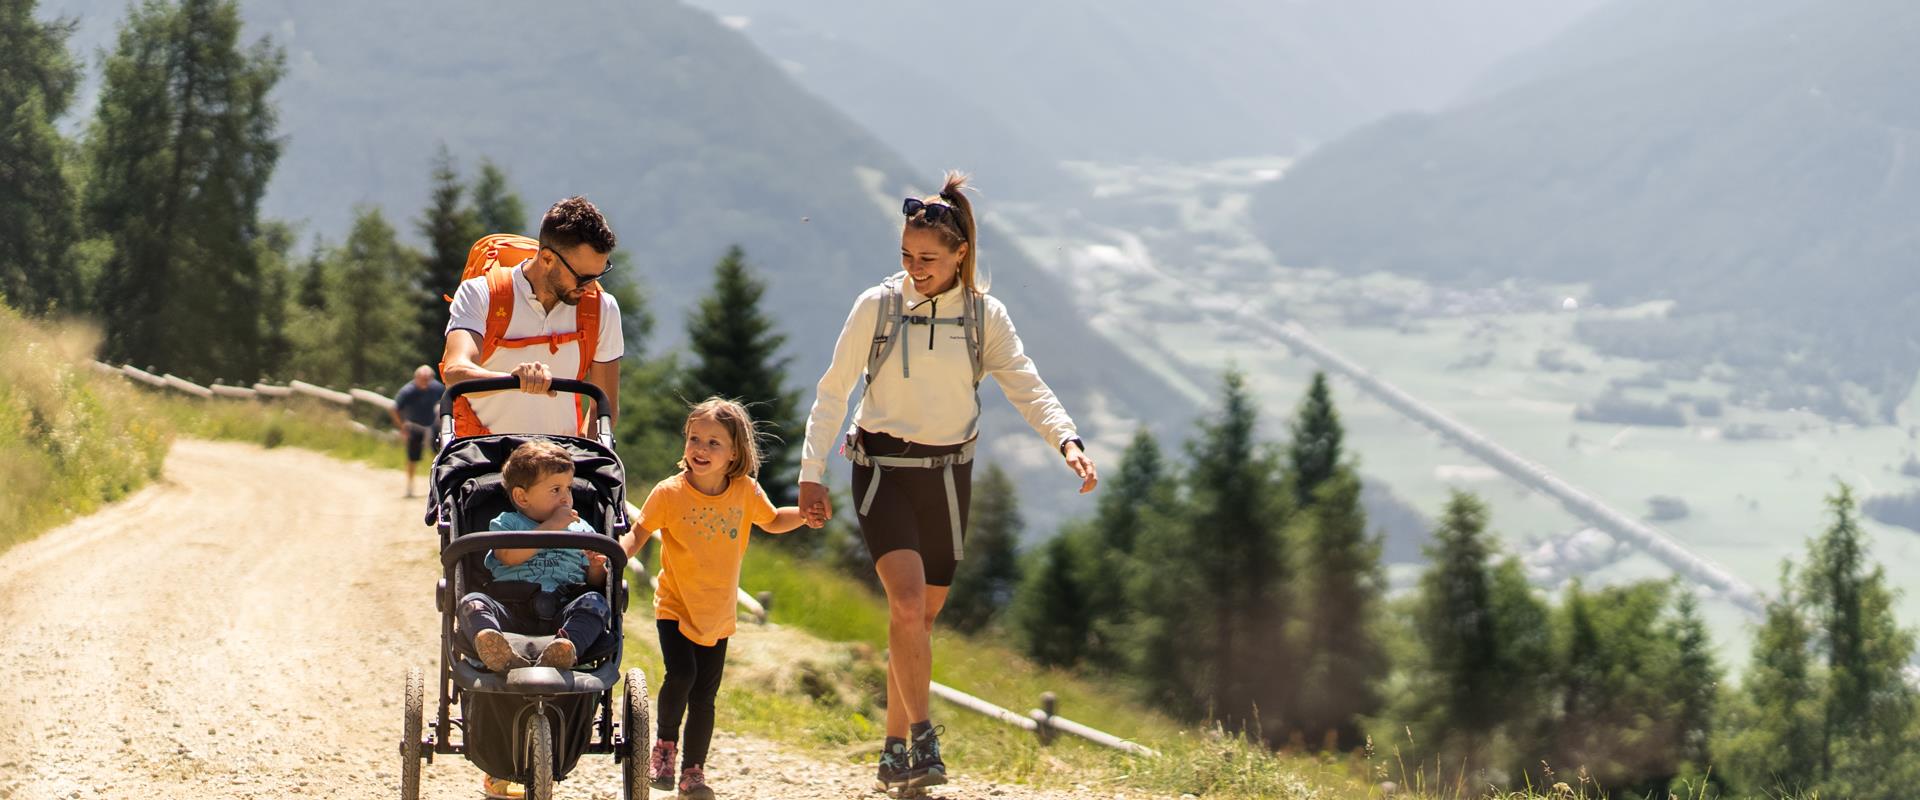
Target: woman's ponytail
x,y
953,195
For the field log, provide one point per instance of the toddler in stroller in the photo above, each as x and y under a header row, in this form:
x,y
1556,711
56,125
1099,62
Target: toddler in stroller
x,y
530,584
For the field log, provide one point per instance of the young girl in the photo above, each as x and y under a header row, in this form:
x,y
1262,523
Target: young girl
x,y
704,515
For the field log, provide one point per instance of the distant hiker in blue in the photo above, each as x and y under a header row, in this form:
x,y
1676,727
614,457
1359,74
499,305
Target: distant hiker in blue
x,y
413,416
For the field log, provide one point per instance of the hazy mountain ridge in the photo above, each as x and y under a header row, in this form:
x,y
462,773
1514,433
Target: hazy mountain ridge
x,y
1761,178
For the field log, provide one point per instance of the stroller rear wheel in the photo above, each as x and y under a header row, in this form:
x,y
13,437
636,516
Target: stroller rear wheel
x,y
410,744
638,731
540,741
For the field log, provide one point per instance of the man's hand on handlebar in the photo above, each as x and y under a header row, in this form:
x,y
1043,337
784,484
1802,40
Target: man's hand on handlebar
x,y
535,378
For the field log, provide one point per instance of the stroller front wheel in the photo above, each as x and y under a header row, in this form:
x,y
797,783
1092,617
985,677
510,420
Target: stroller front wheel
x,y
410,743
540,741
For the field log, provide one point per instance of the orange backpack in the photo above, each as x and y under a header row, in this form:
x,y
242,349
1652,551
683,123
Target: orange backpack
x,y
495,256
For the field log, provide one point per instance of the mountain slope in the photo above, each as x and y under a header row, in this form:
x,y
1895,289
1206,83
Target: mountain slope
x,y
1762,178
1009,82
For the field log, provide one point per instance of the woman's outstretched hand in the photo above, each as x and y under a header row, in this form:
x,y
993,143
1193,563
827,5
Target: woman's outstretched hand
x,y
815,504
1082,466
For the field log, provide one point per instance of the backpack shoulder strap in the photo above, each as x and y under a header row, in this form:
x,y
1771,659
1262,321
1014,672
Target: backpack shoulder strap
x,y
973,320
499,310
886,327
587,322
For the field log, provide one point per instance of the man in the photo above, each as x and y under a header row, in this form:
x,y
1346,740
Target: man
x,y
413,415
542,340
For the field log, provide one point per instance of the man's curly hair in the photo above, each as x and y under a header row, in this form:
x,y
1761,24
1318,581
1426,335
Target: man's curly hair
x,y
573,222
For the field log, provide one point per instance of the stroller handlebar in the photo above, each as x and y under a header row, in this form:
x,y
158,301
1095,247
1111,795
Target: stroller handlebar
x,y
603,427
570,385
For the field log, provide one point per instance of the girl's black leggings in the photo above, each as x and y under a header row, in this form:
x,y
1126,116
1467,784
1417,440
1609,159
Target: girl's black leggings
x,y
693,680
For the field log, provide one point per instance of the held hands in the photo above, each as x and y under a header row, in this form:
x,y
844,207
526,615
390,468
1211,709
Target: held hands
x,y
535,378
815,505
1082,466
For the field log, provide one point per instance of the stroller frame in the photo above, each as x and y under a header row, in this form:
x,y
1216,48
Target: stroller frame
x,y
546,694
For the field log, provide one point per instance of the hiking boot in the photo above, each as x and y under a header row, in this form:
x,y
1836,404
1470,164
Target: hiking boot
x,y
501,788
660,766
559,654
926,767
893,767
494,650
693,784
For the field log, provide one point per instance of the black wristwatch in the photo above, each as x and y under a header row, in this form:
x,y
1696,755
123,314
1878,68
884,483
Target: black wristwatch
x,y
1072,440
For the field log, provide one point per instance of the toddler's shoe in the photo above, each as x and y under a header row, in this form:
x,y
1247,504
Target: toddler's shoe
x,y
559,654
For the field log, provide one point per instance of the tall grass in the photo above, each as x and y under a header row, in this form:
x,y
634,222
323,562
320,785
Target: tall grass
x,y
289,422
70,439
73,439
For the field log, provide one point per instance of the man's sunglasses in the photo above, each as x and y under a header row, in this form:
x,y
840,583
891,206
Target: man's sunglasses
x,y
577,277
933,213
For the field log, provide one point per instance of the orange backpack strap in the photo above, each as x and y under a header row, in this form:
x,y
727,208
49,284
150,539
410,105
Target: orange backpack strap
x,y
587,322
499,316
499,310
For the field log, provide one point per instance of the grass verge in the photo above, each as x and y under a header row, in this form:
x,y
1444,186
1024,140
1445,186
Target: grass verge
x,y
75,439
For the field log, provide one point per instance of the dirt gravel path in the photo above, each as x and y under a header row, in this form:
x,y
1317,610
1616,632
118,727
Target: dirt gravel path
x,y
241,629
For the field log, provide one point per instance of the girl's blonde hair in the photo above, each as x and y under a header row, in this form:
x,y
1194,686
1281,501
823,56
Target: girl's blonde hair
x,y
951,234
739,424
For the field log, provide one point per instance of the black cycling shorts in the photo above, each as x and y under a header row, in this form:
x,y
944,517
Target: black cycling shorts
x,y
910,511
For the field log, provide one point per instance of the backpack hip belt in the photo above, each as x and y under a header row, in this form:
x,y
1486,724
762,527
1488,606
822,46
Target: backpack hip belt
x,y
945,463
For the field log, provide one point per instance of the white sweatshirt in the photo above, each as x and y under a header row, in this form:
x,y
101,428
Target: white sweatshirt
x,y
938,403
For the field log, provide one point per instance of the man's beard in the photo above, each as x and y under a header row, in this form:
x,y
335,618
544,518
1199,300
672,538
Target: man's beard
x,y
572,299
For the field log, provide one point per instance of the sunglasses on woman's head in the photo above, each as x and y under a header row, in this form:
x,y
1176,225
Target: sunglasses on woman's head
x,y
933,213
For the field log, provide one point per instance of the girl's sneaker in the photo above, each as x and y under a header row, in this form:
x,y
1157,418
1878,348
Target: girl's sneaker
x,y
660,766
693,784
501,788
893,767
927,768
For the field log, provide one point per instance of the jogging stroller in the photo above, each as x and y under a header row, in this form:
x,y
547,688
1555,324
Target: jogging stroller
x,y
530,724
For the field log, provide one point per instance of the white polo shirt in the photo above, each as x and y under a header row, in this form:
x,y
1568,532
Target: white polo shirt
x,y
519,412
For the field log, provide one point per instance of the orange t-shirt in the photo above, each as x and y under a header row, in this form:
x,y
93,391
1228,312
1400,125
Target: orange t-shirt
x,y
703,538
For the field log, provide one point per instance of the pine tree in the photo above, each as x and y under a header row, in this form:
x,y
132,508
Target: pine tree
x,y
1140,488
1313,454
1175,670
1869,712
1694,685
1052,612
450,229
736,353
1339,588
648,433
366,298
180,153
495,205
37,208
1773,742
1228,567
274,249
985,582
1613,679
1483,645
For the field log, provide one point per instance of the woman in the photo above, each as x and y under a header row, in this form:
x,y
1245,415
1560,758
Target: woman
x,y
923,339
